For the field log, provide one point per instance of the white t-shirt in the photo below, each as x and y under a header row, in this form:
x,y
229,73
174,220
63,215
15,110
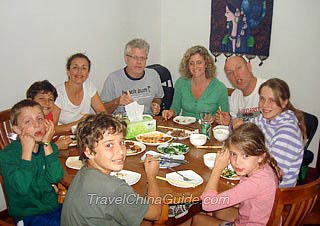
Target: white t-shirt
x,y
69,111
245,107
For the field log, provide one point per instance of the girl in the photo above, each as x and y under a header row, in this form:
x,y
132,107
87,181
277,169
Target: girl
x,y
259,179
283,126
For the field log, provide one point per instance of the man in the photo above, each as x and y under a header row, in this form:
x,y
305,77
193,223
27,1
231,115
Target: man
x,y
134,82
245,98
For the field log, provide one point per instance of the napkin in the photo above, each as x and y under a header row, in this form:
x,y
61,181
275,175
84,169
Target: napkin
x,y
134,111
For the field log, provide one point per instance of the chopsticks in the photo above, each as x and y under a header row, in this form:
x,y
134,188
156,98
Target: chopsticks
x,y
178,182
220,114
168,127
210,146
166,159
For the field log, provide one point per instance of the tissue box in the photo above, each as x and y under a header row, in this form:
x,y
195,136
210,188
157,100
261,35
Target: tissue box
x,y
148,124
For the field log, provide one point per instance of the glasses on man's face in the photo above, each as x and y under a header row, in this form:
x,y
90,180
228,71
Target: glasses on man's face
x,y
137,58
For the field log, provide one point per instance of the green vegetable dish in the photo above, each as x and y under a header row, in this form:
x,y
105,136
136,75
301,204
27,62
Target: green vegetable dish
x,y
173,149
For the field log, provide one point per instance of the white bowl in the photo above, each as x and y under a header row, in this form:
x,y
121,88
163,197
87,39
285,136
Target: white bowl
x,y
198,139
74,129
221,133
209,159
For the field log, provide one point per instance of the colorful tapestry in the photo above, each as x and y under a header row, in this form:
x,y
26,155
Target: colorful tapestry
x,y
241,27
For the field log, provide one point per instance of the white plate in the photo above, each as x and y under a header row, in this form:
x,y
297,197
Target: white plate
x,y
173,146
184,120
135,143
176,178
186,134
164,165
225,176
129,176
74,162
154,138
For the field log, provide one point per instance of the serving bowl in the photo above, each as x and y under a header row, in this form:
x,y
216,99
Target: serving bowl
x,y
209,159
221,133
198,139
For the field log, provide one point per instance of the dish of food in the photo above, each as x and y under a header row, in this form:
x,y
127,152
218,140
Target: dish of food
x,y
129,176
74,162
184,120
134,147
180,134
154,138
230,174
173,149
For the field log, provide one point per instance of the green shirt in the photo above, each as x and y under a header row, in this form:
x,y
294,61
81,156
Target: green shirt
x,y
215,95
28,183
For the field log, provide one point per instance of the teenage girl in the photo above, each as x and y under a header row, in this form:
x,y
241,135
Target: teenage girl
x,y
252,199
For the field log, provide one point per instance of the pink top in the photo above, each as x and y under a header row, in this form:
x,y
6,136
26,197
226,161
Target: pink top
x,y
255,194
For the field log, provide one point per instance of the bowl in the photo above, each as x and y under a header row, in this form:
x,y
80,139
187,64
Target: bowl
x,y
221,133
209,159
198,139
74,129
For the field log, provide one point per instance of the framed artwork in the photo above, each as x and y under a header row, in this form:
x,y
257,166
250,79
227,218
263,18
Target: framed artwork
x,y
241,27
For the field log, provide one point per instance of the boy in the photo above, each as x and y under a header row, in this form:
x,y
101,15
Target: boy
x,y
45,94
30,165
102,148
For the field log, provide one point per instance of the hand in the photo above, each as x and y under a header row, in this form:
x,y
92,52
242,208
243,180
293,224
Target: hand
x,y
237,122
28,144
151,167
155,108
167,114
222,160
223,118
49,131
125,99
63,142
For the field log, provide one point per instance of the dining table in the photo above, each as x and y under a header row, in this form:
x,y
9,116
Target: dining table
x,y
170,194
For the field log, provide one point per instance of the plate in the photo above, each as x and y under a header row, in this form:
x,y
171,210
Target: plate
x,y
173,149
154,138
74,162
174,179
164,165
129,176
180,134
229,173
184,120
134,147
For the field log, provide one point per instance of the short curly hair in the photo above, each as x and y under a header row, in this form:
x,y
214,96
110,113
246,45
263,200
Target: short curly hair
x,y
202,51
91,130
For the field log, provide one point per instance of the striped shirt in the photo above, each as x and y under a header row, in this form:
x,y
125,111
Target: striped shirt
x,y
285,143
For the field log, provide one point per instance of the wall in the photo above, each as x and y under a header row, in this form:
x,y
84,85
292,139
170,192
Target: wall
x,y
37,37
293,53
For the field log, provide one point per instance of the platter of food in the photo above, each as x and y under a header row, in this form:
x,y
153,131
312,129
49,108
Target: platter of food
x,y
230,174
180,134
134,147
184,120
154,138
173,149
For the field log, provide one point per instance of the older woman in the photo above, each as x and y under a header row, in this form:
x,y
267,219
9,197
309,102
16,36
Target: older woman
x,y
197,90
77,96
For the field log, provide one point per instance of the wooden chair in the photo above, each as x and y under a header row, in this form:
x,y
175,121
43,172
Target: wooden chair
x,y
292,205
5,219
5,128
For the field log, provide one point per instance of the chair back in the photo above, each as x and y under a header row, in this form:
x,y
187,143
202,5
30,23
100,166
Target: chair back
x,y
311,122
292,205
167,85
5,128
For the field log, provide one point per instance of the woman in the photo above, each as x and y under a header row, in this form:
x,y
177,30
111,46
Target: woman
x,y
284,128
197,90
76,96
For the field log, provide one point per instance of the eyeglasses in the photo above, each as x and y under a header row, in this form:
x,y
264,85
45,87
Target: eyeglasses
x,y
137,58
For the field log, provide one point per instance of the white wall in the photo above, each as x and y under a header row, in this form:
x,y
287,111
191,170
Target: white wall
x,y
37,36
293,53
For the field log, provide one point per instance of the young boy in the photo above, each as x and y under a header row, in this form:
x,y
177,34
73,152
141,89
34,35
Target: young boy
x,y
45,94
30,165
102,148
